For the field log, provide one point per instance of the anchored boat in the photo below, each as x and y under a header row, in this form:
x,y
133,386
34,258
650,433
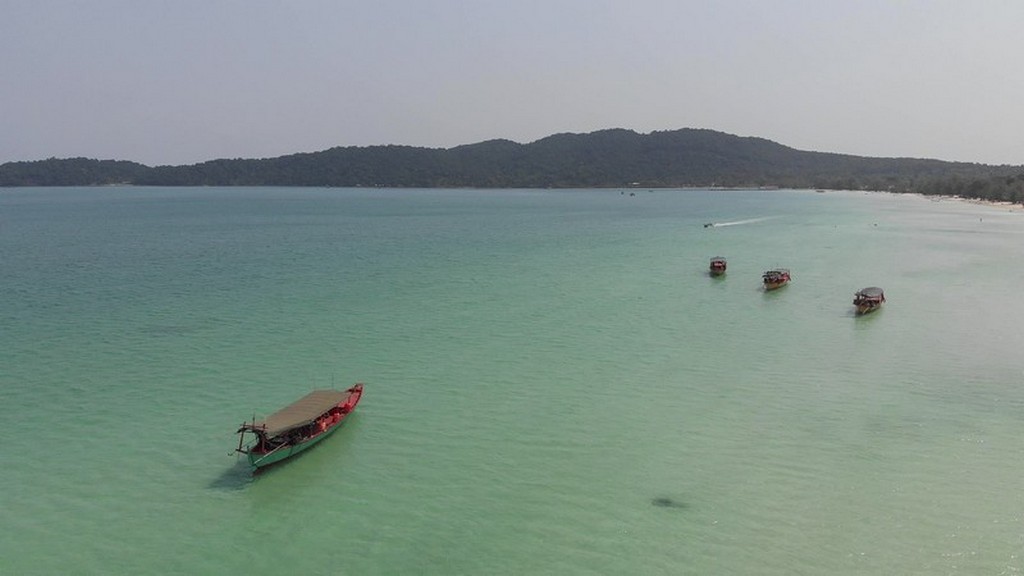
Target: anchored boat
x,y
718,266
298,426
869,299
775,278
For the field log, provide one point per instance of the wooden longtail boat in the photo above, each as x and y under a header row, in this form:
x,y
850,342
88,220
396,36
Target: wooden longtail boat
x,y
718,266
298,426
775,278
869,299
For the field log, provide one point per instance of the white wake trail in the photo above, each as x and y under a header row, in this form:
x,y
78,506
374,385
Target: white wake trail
x,y
749,221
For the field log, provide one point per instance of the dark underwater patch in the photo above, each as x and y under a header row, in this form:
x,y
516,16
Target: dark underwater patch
x,y
663,502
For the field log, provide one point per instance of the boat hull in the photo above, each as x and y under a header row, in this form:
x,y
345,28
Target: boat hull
x,y
717,266
260,460
868,300
775,279
295,428
867,308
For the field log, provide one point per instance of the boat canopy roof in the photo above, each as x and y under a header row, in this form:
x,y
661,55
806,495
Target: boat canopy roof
x,y
300,413
871,292
714,258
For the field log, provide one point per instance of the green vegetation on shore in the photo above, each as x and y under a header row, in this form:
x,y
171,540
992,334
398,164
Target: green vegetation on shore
x,y
607,158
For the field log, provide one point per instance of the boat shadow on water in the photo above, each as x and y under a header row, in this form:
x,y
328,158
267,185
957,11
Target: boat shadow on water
x,y
236,477
863,319
668,502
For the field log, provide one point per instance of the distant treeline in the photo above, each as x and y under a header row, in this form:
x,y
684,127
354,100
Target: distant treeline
x,y
608,158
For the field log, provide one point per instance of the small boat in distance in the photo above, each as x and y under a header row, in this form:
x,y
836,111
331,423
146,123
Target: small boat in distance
x,y
298,426
718,265
775,278
709,225
869,299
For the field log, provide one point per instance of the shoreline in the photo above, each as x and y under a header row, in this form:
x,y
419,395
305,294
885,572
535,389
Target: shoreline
x,y
1007,205
1003,204
982,202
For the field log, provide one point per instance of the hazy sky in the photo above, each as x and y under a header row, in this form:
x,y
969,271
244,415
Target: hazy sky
x,y
183,81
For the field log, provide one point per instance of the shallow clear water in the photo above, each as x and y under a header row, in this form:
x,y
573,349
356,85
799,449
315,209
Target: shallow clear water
x,y
554,385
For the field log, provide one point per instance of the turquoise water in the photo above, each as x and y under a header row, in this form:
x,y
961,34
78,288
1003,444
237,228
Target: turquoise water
x,y
554,385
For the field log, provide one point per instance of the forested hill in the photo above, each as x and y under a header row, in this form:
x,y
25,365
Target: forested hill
x,y
608,158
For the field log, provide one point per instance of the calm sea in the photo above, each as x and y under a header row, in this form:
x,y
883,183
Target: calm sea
x,y
554,384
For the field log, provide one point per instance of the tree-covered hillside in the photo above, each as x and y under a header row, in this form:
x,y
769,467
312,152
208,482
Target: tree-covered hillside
x,y
608,158
70,172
